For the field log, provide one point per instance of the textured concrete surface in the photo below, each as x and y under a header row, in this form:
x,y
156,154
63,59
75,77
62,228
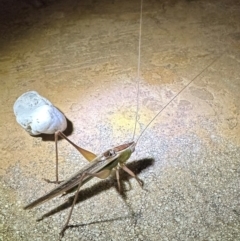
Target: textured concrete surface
x,y
82,56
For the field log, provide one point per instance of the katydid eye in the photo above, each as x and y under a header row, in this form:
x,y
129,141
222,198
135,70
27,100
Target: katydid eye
x,y
111,153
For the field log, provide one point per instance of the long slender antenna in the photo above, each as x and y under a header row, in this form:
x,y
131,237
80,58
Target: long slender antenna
x,y
138,69
178,95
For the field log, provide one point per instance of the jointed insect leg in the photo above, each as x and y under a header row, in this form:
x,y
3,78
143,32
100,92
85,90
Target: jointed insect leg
x,y
87,154
56,154
118,179
132,174
85,174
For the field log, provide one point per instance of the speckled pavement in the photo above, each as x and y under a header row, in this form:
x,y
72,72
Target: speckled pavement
x,y
82,56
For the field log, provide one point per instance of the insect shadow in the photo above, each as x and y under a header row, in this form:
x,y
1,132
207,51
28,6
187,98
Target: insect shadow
x,y
136,166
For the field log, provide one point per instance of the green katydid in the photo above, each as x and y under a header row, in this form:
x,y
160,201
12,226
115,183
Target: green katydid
x,y
100,166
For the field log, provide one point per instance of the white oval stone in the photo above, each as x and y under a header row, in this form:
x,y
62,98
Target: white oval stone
x,y
37,115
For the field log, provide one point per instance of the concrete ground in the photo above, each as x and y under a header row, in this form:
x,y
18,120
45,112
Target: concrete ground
x,y
82,56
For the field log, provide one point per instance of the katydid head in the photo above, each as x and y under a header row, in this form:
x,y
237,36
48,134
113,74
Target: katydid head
x,y
124,151
125,146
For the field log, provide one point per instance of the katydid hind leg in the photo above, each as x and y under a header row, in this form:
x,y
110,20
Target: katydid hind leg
x,y
56,155
85,174
56,134
73,204
87,154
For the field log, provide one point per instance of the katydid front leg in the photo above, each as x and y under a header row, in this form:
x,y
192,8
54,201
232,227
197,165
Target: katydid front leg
x,y
140,182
